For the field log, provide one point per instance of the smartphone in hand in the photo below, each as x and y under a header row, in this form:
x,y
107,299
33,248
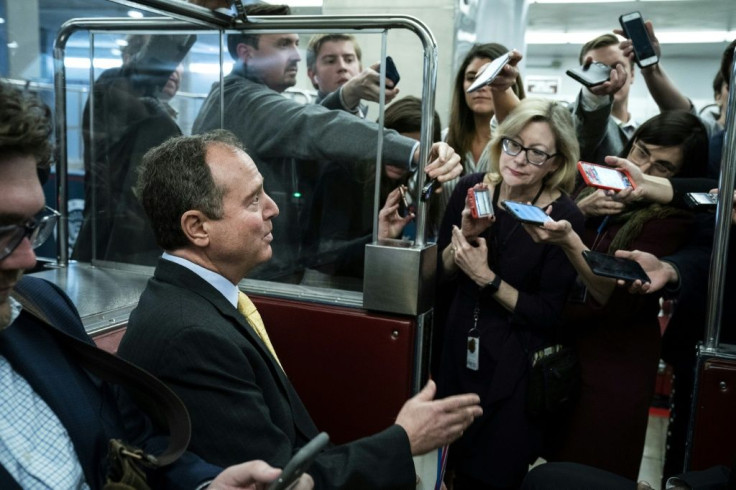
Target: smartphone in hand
x,y
634,28
480,203
392,73
603,177
527,213
594,74
300,462
701,200
489,73
616,267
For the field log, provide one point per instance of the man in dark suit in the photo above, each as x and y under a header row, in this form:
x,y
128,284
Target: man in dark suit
x,y
205,198
56,418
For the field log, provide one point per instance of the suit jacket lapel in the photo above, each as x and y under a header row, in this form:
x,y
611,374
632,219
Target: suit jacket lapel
x,y
179,276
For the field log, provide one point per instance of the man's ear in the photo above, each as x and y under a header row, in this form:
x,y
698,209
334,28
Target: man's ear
x,y
313,78
194,226
245,52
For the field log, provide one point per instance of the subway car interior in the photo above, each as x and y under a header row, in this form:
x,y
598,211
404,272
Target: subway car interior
x,y
358,318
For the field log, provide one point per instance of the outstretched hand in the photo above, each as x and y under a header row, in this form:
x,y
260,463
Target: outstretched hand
x,y
661,273
254,475
616,79
628,47
506,78
431,423
470,226
366,85
390,222
444,163
556,232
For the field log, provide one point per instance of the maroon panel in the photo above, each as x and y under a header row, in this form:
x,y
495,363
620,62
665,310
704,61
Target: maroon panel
x,y
109,341
715,426
351,368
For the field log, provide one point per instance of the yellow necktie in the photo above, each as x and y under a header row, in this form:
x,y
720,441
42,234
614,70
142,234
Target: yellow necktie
x,y
250,312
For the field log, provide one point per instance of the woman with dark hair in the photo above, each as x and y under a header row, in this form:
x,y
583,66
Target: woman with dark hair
x,y
673,136
472,120
617,334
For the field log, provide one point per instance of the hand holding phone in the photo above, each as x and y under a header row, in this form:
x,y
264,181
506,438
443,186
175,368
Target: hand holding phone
x,y
634,29
489,73
616,267
300,462
603,177
392,73
701,200
527,213
592,75
480,203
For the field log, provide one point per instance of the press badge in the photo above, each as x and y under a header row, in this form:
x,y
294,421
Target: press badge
x,y
473,348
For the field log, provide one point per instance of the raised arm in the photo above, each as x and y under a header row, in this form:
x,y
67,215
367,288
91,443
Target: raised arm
x,y
667,96
561,233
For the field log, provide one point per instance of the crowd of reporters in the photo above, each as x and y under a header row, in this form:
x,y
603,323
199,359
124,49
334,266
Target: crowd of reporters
x,y
506,287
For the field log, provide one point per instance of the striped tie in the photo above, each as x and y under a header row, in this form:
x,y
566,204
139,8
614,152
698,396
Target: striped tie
x,y
250,312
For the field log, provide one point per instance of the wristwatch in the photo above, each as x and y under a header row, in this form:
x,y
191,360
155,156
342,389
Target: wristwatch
x,y
493,285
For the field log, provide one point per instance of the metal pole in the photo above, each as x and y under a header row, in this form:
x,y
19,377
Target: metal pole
x,y
719,258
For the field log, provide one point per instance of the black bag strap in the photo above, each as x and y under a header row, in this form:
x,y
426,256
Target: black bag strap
x,y
151,395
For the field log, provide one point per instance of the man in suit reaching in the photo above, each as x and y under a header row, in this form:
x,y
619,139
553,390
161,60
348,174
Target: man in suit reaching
x,y
205,198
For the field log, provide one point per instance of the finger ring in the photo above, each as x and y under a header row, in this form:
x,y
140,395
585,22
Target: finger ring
x,y
452,251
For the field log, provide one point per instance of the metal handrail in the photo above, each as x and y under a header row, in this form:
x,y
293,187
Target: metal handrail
x,y
209,20
719,257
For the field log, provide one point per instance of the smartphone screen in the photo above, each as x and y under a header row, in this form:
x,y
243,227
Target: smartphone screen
x,y
480,203
616,267
527,213
633,26
300,462
605,177
489,73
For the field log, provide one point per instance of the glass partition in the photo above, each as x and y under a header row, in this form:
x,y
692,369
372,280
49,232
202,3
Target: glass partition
x,y
315,144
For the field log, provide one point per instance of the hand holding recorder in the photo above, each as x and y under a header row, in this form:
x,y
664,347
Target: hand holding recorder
x,y
478,214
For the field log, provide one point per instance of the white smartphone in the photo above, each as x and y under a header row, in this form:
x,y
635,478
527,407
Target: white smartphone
x,y
634,28
489,73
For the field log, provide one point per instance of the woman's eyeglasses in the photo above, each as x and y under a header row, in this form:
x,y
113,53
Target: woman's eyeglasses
x,y
533,156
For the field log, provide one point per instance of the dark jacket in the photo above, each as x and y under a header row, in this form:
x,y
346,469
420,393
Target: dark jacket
x,y
241,403
92,411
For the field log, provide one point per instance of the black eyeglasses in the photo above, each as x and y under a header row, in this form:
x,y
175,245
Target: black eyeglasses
x,y
36,229
533,156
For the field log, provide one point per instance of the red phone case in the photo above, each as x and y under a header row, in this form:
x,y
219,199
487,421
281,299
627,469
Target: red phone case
x,y
474,205
591,181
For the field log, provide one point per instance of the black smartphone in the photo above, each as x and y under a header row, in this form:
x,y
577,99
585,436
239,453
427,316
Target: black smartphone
x,y
594,74
391,72
489,73
701,200
634,28
428,189
480,203
527,213
616,267
300,462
